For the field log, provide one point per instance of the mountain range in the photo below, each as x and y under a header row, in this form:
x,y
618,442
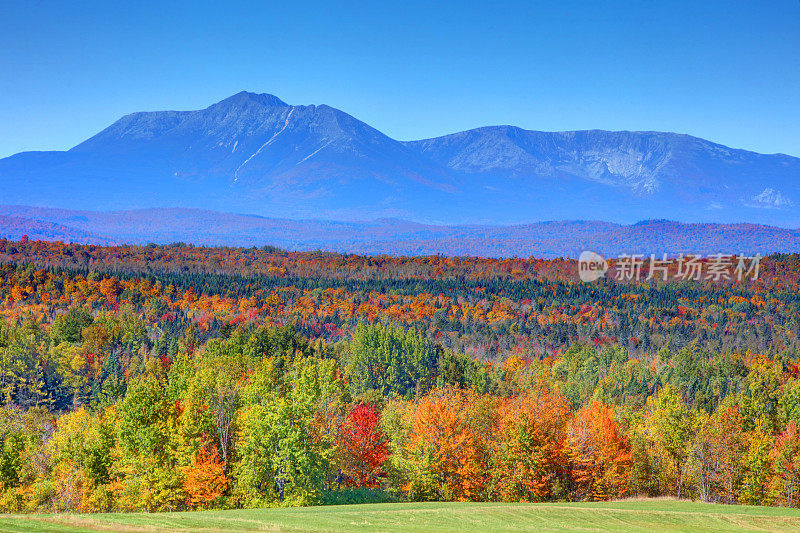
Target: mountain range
x,y
253,153
392,236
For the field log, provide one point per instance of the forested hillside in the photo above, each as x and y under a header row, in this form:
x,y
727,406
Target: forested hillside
x,y
178,377
391,236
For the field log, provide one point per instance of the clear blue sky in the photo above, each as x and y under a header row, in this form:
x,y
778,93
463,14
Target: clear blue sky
x,y
726,71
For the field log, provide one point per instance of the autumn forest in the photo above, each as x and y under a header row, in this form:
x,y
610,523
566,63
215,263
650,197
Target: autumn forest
x,y
155,378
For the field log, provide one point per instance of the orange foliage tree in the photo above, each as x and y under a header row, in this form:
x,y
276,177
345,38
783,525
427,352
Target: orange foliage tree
x,y
449,445
529,452
599,453
205,481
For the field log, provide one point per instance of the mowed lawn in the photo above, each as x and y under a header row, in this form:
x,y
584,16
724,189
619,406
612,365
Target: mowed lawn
x,y
650,516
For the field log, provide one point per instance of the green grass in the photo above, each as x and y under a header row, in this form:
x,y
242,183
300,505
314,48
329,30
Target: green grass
x,y
650,516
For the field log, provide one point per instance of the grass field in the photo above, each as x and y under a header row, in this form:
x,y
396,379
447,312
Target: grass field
x,y
642,515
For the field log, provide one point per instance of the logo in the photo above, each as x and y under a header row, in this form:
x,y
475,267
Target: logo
x,y
591,266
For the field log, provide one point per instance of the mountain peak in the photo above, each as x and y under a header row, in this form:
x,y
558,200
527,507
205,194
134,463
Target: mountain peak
x,y
244,98
253,152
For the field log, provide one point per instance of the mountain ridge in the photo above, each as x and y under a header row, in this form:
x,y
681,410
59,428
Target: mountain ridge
x,y
392,236
256,153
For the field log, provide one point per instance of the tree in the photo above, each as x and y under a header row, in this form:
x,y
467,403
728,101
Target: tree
x,y
216,388
390,360
529,452
757,469
362,450
761,397
69,326
785,458
669,427
600,455
82,450
284,457
717,454
447,454
146,431
205,480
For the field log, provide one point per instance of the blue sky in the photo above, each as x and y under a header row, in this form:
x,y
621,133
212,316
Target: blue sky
x,y
726,71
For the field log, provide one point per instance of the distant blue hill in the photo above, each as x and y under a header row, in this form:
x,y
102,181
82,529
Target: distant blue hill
x,y
254,153
392,236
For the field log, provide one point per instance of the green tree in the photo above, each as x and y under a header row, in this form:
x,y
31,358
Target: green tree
x,y
391,360
284,454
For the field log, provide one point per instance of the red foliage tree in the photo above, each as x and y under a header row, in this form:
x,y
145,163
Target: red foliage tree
x,y
362,448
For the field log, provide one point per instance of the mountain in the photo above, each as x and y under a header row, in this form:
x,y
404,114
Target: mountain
x,y
392,236
623,175
254,153
14,228
248,152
